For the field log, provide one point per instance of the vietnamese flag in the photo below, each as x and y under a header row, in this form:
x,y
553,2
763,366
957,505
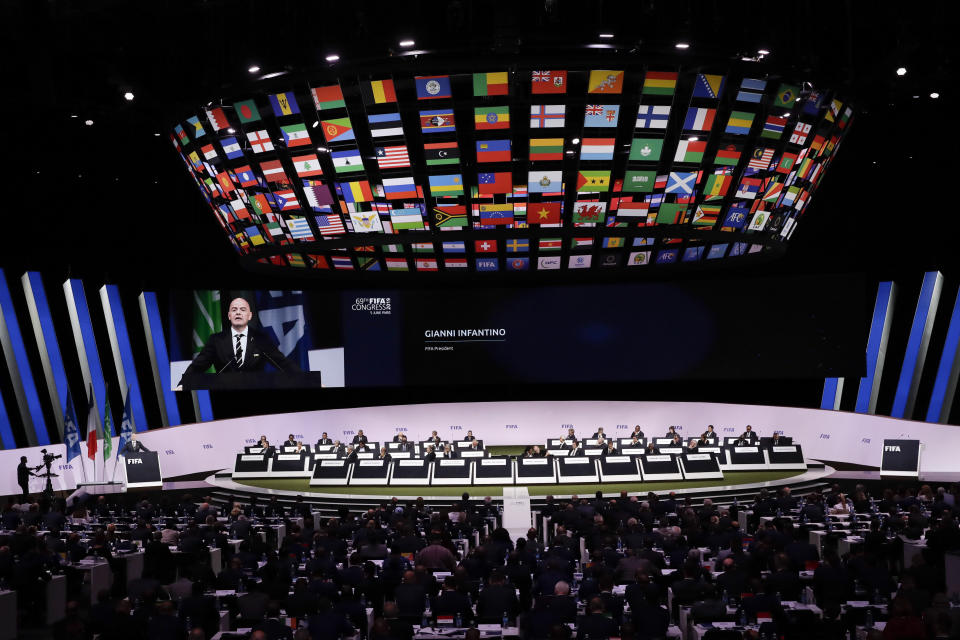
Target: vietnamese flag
x,y
544,213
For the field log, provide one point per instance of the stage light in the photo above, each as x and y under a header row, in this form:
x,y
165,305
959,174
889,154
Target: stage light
x,y
128,96
231,130
332,57
315,123
605,35
901,71
73,115
763,52
89,123
253,69
407,43
693,139
156,135
575,141
934,95
682,45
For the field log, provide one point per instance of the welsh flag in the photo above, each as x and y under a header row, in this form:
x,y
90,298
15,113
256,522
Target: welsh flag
x,y
107,428
91,427
206,318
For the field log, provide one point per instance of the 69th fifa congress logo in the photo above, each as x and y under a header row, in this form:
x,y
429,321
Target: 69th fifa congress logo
x,y
373,306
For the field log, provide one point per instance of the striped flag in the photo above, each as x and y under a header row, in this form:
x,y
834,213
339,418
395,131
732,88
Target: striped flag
x,y
330,224
392,157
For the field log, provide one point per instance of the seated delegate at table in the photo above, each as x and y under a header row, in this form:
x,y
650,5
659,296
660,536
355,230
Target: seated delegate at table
x,y
264,444
359,438
651,449
431,454
635,442
709,434
570,435
404,445
351,455
469,437
676,441
574,449
434,438
290,441
693,444
637,432
397,437
474,446
338,448
384,455
324,440
448,453
749,436
610,449
671,432
598,434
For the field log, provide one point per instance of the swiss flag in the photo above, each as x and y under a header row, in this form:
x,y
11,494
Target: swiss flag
x,y
485,246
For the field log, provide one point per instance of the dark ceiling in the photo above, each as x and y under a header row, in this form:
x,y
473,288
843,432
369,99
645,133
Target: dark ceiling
x,y
112,200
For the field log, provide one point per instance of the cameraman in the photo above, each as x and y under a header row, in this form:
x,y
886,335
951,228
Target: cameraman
x,y
23,476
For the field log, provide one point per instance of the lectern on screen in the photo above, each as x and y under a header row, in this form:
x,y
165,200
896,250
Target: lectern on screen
x,y
619,469
786,457
333,472
661,466
415,471
370,472
900,458
749,458
290,465
142,469
451,472
577,469
498,470
536,471
700,466
251,465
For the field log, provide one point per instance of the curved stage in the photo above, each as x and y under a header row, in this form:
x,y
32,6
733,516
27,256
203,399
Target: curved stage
x,y
745,484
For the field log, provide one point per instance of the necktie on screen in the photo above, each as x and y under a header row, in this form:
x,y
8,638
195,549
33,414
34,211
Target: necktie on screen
x,y
239,354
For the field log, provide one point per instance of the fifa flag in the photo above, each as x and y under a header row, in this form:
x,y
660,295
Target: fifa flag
x,y
659,83
126,424
358,191
337,129
707,86
547,116
546,149
491,118
740,122
545,181
706,216
432,87
597,149
493,151
699,119
589,212
491,183
548,82
71,432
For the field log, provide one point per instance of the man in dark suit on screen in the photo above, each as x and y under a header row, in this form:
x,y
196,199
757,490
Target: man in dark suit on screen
x,y
133,445
239,348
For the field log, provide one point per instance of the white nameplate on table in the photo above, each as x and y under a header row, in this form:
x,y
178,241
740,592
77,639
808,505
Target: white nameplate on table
x,y
746,450
251,458
784,449
527,461
371,463
577,461
698,456
493,461
410,463
659,458
617,459
452,463
332,463
287,456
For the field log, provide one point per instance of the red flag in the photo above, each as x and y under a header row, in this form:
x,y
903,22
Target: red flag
x,y
91,429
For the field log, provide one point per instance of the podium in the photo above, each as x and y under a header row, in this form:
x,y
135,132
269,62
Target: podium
x,y
251,380
142,469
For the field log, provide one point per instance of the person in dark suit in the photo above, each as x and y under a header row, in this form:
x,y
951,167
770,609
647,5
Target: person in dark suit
x,y
239,348
405,445
434,438
610,450
359,438
351,455
384,455
324,440
430,455
338,448
450,602
497,600
449,453
133,445
398,437
749,436
271,626
23,475
290,441
596,625
574,449
475,445
652,449
692,445
637,432
676,442
709,434
635,442
571,435
671,432
599,434
469,437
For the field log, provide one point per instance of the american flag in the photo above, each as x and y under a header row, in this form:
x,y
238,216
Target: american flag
x,y
392,157
330,225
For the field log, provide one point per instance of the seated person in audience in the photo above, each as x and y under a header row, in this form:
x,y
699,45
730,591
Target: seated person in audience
x,y
692,445
778,440
602,442
351,454
359,438
404,444
610,449
384,455
671,432
448,452
398,437
749,436
431,454
676,441
652,448
300,448
469,437
637,432
599,435
324,440
434,438
574,449
263,442
290,441
451,601
596,624
338,448
474,446
362,446
709,434
570,436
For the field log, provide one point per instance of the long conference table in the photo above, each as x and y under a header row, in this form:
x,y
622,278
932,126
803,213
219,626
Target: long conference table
x,y
324,467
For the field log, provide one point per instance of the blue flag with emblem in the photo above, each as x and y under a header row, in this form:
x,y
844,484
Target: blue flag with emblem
x,y
71,432
126,424
282,314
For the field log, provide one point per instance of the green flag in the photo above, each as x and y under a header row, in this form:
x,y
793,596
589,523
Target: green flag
x,y
206,318
107,428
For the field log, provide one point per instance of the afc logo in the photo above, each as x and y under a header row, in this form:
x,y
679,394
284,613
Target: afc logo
x,y
511,426
824,436
456,427
134,461
891,447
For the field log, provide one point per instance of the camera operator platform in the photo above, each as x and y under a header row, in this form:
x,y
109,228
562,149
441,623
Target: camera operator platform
x,y
48,459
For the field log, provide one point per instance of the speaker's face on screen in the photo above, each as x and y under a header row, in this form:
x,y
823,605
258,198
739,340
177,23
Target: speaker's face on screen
x,y
239,313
